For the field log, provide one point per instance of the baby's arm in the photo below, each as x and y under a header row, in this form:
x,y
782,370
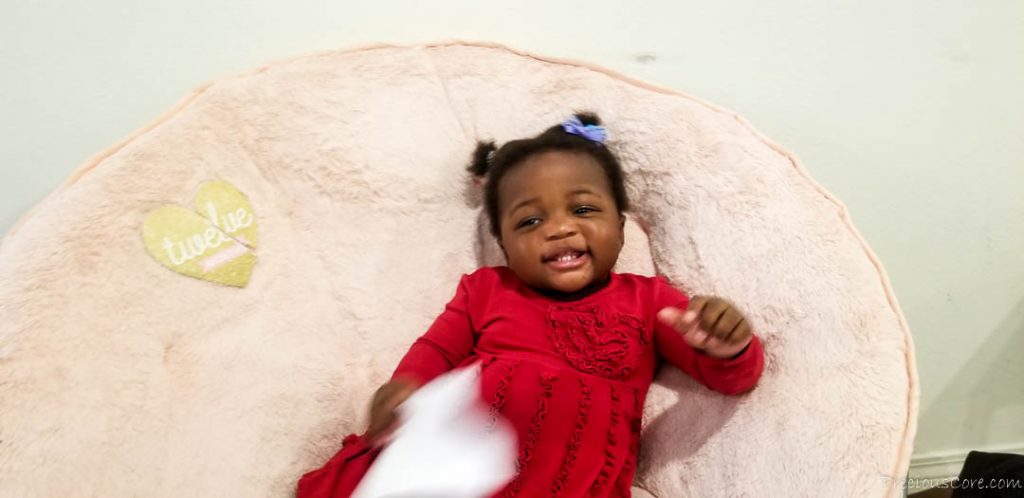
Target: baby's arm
x,y
729,375
448,341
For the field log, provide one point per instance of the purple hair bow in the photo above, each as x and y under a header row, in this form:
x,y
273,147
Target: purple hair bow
x,y
594,133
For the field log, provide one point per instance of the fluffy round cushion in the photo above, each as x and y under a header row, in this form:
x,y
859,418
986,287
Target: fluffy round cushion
x,y
120,377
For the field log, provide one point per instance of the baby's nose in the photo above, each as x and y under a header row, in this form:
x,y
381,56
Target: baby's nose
x,y
561,228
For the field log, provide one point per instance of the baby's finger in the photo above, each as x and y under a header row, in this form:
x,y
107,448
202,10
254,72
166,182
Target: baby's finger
x,y
676,318
671,316
693,312
697,304
741,333
689,320
712,343
712,312
727,324
695,336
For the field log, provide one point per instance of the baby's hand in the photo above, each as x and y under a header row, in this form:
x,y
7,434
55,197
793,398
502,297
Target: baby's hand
x,y
382,408
711,324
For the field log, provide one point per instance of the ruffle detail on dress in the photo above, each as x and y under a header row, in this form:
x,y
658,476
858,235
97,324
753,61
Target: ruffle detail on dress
x,y
575,441
498,403
625,481
610,452
547,381
596,342
634,323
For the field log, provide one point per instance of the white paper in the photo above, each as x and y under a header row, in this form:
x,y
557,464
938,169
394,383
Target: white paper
x,y
446,445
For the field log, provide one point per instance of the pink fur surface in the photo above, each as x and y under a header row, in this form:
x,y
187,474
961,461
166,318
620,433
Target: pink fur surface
x,y
119,377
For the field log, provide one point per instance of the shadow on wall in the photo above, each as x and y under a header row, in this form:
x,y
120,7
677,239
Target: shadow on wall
x,y
984,383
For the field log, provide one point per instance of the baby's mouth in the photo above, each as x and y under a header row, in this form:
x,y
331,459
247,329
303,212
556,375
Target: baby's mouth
x,y
567,260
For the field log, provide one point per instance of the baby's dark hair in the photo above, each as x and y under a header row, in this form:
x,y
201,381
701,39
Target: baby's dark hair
x,y
495,162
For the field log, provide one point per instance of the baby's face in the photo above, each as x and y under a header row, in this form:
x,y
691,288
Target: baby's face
x,y
560,228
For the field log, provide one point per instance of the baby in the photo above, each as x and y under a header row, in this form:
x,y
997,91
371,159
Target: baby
x,y
567,347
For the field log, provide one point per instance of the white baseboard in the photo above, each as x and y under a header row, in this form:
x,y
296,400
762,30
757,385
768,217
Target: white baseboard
x,y
931,469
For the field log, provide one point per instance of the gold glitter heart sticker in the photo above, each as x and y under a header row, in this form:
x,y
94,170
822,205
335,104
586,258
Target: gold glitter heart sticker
x,y
212,243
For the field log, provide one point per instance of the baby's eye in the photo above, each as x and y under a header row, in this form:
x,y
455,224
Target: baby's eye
x,y
527,222
584,210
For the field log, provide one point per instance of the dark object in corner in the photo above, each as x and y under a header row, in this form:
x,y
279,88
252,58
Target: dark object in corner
x,y
991,475
984,475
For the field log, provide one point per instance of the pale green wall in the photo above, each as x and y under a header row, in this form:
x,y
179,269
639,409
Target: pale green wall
x,y
911,112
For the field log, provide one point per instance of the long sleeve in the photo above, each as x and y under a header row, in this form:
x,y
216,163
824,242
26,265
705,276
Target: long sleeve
x,y
448,341
727,376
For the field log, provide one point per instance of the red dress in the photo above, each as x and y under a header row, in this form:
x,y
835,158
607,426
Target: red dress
x,y
571,377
